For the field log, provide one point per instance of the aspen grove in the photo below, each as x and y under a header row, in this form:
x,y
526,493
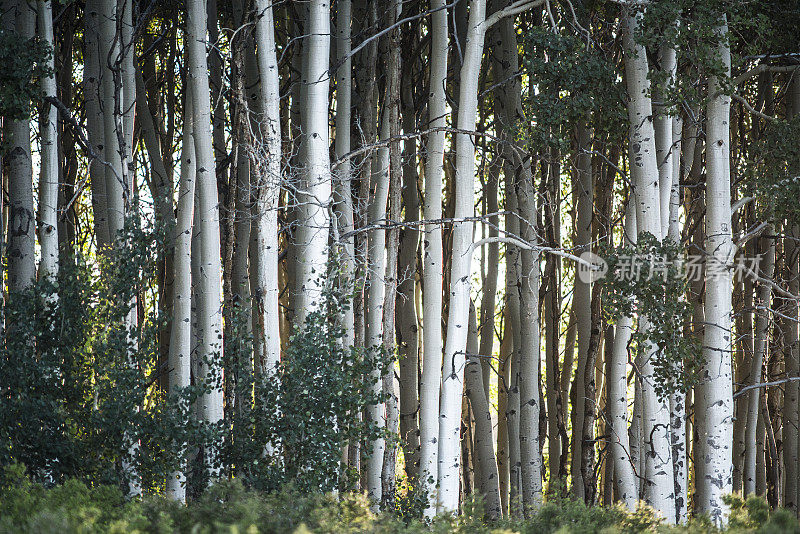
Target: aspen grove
x,y
431,251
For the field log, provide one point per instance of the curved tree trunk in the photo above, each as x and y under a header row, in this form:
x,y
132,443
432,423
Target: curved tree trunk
x,y
456,341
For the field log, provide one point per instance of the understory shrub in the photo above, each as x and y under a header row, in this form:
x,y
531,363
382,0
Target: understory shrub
x,y
230,507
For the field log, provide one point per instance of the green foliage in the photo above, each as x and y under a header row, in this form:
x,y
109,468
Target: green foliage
x,y
307,408
24,64
567,72
74,382
567,515
774,170
229,507
646,279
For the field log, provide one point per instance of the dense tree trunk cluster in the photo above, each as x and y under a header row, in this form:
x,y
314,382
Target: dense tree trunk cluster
x,y
392,149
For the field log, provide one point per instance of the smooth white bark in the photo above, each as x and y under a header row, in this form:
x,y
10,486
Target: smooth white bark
x,y
312,234
208,286
449,460
180,344
432,270
21,218
48,177
617,402
267,165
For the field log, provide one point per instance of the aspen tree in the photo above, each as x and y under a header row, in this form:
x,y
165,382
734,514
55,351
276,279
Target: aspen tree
x,y
181,333
48,177
206,217
655,430
94,120
760,348
716,399
617,398
432,270
268,181
449,461
343,193
484,449
21,218
312,233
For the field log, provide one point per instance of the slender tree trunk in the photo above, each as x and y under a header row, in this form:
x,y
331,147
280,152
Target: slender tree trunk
x,y
208,290
48,177
376,297
484,449
312,234
583,192
94,120
624,467
761,344
181,333
343,193
556,431
432,269
407,322
21,219
392,103
716,402
503,379
267,166
458,316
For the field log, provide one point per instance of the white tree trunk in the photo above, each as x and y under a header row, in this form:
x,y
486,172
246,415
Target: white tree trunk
x,y
624,466
267,163
48,177
342,191
21,217
208,287
375,299
716,402
530,353
659,483
181,335
456,341
432,270
312,234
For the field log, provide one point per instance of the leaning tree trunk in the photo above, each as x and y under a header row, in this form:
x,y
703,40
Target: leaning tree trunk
x,y
484,449
432,270
716,399
206,217
453,372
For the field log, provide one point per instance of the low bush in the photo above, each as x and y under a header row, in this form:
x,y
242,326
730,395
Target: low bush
x,y
229,507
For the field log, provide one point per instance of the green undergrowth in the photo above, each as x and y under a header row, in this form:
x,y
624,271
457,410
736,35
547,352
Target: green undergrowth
x,y
228,507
